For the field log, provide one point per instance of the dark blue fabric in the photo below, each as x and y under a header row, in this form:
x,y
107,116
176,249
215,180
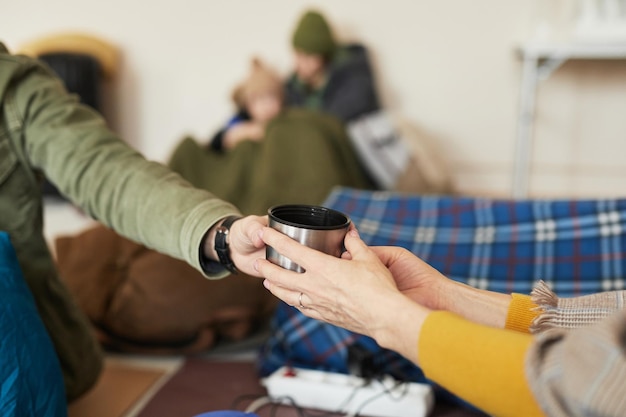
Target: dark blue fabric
x,y
576,246
31,382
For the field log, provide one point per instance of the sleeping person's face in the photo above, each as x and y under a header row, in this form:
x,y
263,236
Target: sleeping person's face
x,y
263,107
309,67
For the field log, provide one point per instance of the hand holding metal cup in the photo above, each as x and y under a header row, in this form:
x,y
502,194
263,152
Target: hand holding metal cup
x,y
317,227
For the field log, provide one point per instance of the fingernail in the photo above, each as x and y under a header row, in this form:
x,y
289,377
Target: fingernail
x,y
354,233
266,284
256,265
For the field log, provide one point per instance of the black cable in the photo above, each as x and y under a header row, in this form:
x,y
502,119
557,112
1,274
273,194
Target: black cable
x,y
280,401
276,402
350,397
387,391
306,413
403,394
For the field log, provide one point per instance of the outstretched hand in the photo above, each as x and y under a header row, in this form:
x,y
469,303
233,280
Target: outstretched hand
x,y
246,245
356,292
428,287
414,278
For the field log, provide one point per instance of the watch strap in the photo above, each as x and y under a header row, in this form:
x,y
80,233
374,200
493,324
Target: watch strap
x,y
222,247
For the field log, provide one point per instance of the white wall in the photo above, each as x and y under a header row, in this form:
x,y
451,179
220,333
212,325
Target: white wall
x,y
448,67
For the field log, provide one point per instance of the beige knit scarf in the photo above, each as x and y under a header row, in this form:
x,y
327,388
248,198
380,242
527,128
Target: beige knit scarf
x,y
571,313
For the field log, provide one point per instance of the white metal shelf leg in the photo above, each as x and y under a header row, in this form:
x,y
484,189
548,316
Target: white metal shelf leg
x,y
523,145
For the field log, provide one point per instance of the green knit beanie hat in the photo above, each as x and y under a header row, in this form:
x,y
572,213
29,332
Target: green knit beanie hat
x,y
313,35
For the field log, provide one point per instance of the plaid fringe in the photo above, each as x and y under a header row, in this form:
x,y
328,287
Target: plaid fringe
x,y
573,313
546,301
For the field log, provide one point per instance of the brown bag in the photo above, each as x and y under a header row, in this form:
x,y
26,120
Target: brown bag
x,y
140,300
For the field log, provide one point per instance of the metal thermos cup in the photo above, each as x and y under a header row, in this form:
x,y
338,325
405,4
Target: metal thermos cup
x,y
317,227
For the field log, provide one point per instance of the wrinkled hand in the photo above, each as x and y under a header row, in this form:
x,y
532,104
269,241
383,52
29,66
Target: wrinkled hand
x,y
245,243
357,292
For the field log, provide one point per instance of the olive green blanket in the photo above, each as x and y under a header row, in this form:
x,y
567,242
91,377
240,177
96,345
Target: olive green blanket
x,y
303,156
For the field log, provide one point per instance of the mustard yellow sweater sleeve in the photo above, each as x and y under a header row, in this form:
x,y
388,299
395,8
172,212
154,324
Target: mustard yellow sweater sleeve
x,y
481,364
522,312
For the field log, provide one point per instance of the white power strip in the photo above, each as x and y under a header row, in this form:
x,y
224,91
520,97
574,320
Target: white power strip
x,y
349,394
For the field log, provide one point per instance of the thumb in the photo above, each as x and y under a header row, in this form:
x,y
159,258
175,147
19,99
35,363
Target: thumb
x,y
250,228
355,245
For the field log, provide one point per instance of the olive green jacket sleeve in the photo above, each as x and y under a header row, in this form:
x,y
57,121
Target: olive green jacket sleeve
x,y
140,199
42,128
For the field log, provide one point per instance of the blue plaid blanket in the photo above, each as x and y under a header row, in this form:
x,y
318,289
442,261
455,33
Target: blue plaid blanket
x,y
576,246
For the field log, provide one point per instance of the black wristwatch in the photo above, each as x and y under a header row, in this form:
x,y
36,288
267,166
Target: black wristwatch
x,y
221,243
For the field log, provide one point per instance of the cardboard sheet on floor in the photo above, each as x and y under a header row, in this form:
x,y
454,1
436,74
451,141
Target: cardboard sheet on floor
x,y
116,392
